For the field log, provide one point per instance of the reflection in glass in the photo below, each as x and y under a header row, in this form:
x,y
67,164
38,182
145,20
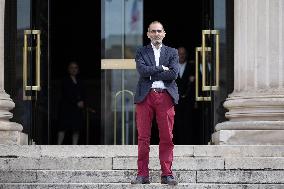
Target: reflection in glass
x,y
122,33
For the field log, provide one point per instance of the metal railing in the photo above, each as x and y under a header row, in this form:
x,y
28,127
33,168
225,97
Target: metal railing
x,y
123,121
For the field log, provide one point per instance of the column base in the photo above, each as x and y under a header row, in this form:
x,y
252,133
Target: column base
x,y
13,137
248,137
10,133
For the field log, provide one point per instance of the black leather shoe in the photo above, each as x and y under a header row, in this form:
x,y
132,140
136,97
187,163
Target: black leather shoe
x,y
141,180
170,180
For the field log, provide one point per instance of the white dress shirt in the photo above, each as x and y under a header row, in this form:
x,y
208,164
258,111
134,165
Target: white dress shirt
x,y
209,67
157,52
181,69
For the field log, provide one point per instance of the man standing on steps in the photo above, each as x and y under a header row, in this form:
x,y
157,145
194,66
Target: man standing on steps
x,y
156,94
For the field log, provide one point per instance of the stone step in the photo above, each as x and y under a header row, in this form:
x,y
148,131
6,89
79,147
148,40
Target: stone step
x,y
130,163
102,176
206,163
99,176
131,150
146,186
55,163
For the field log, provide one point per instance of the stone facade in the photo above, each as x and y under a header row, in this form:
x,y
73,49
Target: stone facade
x,y
256,107
10,132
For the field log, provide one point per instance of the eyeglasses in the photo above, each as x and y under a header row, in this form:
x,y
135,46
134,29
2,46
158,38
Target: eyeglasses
x,y
154,31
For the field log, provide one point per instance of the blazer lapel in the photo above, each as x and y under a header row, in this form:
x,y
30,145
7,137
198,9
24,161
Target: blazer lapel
x,y
151,55
162,55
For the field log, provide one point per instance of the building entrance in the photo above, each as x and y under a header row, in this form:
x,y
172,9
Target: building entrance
x,y
124,24
205,29
44,36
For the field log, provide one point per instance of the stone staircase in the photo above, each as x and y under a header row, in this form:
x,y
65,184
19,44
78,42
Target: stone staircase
x,y
112,167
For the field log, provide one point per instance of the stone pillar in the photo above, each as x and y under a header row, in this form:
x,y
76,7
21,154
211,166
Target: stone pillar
x,y
256,106
10,132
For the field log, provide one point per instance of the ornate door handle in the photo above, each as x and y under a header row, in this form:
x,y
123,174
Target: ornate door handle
x,y
27,48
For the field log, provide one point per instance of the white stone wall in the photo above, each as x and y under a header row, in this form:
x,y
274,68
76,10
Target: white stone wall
x,y
10,132
256,107
2,9
259,40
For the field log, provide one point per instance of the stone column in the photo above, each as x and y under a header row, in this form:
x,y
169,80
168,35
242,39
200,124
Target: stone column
x,y
10,132
256,106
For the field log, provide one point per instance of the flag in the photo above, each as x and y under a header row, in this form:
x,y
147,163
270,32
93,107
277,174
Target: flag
x,y
135,16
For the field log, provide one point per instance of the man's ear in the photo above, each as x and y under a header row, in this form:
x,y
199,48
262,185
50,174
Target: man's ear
x,y
148,35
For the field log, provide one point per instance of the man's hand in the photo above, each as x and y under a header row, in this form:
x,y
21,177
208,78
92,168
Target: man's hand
x,y
165,68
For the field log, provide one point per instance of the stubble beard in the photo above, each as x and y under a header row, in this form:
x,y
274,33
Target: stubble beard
x,y
156,42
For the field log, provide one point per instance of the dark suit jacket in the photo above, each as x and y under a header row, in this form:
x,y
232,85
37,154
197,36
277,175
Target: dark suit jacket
x,y
185,87
70,114
146,67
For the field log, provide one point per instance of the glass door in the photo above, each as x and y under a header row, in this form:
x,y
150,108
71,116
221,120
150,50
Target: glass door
x,y
28,72
214,65
122,34
204,69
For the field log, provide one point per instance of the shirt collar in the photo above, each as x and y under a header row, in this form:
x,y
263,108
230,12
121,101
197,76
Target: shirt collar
x,y
155,47
184,63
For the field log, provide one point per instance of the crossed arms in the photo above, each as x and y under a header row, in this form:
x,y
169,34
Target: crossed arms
x,y
165,71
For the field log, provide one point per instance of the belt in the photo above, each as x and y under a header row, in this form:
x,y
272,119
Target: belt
x,y
159,90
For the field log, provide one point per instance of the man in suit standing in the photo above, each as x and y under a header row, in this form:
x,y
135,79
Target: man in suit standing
x,y
184,118
156,94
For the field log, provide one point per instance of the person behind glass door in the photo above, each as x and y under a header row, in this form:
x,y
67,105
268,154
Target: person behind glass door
x,y
184,118
156,94
206,127
72,105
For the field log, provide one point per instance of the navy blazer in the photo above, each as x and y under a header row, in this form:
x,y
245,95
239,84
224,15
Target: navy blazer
x,y
146,67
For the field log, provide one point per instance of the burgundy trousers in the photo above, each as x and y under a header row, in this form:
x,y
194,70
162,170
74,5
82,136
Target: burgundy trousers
x,y
161,105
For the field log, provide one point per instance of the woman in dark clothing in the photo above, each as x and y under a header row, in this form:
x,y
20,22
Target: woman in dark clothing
x,y
72,105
